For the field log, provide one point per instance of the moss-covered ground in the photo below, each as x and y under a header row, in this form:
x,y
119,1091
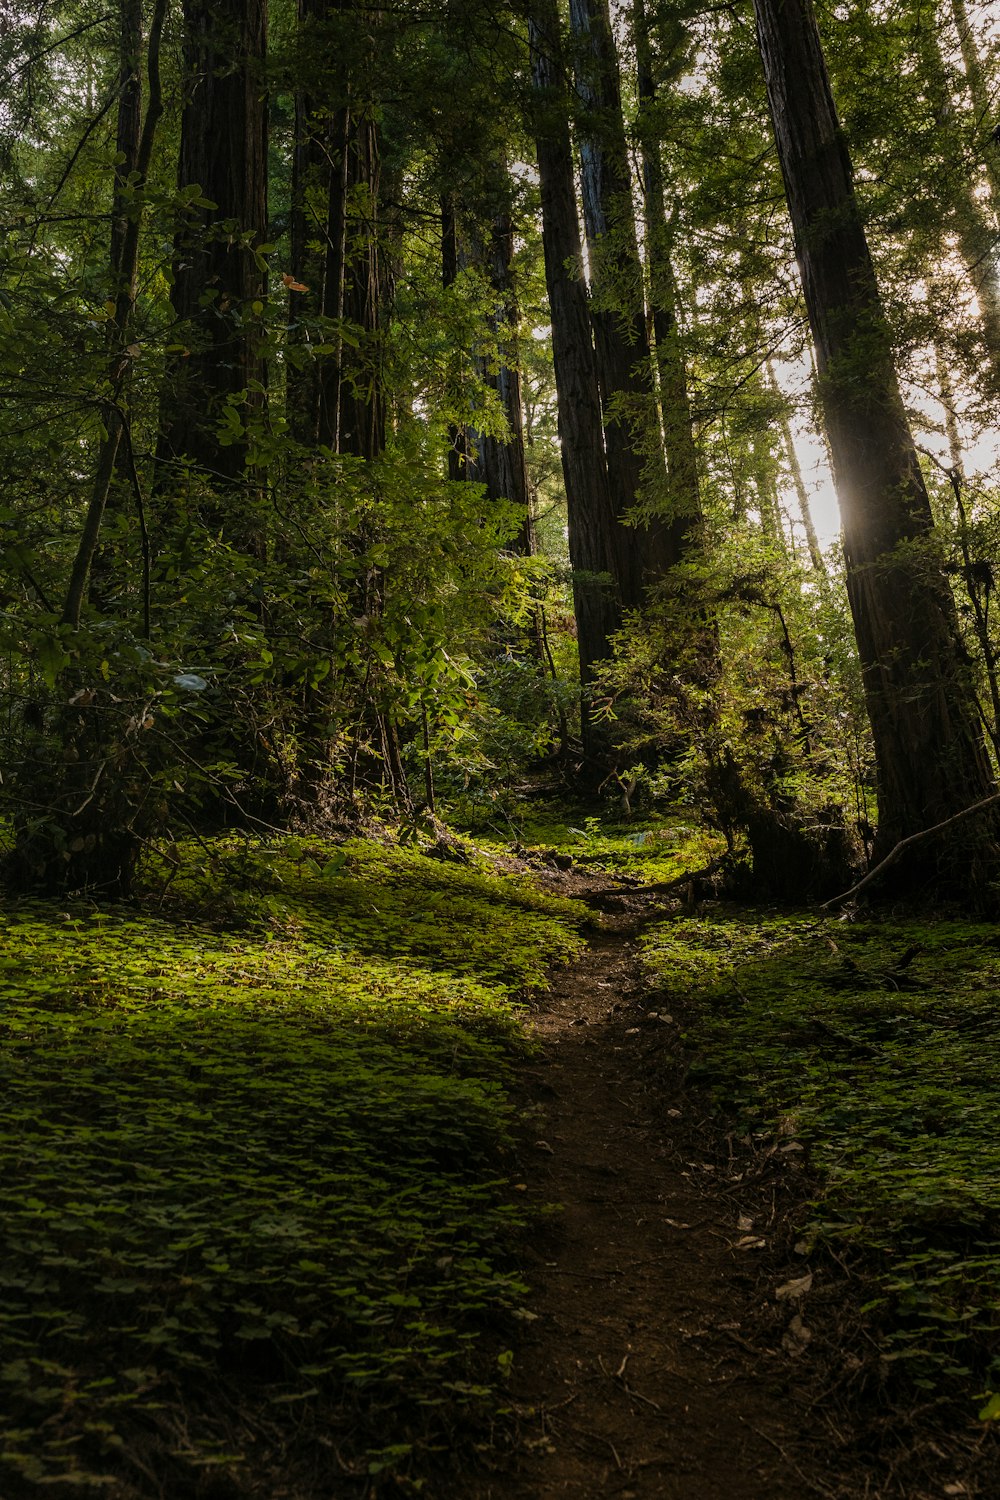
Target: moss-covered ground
x,y
875,1046
260,1226
256,1208
651,849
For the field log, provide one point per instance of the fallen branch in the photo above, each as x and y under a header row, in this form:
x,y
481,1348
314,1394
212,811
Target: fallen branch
x,y
665,887
904,844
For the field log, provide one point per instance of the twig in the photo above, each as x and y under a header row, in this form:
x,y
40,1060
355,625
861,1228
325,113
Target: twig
x,y
91,792
914,838
635,1395
140,505
548,1410
813,1484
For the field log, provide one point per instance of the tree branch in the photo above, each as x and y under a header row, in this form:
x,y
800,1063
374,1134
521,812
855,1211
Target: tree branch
x,y
914,838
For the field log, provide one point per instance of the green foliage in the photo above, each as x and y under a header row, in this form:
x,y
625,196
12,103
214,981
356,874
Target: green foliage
x,y
653,849
876,1046
753,717
255,1160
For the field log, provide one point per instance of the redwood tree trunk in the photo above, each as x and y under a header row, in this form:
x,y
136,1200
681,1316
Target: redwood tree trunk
x,y
497,463
500,462
129,124
361,421
318,219
931,759
592,517
972,220
617,306
336,400
685,517
216,275
458,436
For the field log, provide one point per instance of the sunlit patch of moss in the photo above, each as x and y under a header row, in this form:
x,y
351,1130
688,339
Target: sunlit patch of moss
x,y
881,1043
261,1169
363,897
652,849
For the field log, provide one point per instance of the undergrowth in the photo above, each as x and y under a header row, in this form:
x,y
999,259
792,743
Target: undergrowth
x,y
255,1212
651,848
877,1046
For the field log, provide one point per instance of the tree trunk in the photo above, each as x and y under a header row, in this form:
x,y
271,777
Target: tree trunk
x,y
983,99
458,437
795,470
336,400
89,838
217,277
129,124
930,756
592,519
137,145
685,521
971,219
500,462
624,368
318,214
362,413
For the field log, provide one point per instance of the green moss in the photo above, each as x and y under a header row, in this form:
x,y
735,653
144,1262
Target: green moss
x,y
653,849
264,1168
879,1045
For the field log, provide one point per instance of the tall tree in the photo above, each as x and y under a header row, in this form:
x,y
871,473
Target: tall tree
x,y
338,293
930,755
972,220
217,274
795,473
683,488
982,97
318,227
134,137
500,462
592,516
624,370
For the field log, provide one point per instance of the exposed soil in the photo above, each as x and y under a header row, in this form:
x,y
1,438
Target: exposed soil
x,y
661,1361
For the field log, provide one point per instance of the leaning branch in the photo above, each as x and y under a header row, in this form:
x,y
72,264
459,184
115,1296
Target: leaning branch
x,y
914,838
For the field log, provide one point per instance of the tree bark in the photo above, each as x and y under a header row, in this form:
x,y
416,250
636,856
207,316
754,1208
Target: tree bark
x,y
129,124
500,463
337,400
459,467
362,409
124,257
624,368
685,520
217,277
318,218
930,755
795,470
592,519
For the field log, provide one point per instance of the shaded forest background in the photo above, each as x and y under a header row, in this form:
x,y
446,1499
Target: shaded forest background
x,y
399,401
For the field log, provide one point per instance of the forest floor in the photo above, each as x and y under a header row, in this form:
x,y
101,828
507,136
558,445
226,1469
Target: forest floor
x,y
508,1172
669,1355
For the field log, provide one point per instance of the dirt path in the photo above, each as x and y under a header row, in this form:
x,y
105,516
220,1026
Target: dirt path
x,y
641,1375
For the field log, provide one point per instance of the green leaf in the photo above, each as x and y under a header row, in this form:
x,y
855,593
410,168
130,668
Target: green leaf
x,y
991,1411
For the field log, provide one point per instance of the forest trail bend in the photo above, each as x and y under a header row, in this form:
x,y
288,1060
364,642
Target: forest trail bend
x,y
637,1378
